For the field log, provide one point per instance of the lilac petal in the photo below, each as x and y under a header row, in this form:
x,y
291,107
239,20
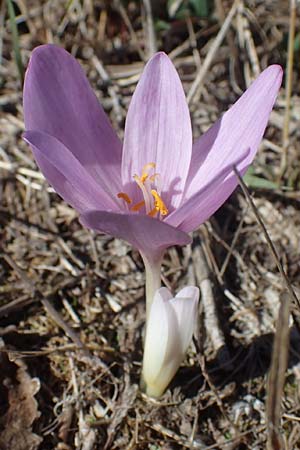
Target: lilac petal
x,y
58,100
66,174
241,127
208,199
185,306
158,129
150,236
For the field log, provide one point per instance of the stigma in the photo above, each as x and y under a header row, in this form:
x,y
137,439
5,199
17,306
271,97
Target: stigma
x,y
150,187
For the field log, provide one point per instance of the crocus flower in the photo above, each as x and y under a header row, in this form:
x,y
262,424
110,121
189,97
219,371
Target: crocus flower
x,y
156,187
153,189
169,332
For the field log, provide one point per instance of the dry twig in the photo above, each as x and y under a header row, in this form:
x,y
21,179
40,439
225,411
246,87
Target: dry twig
x,y
288,86
277,375
195,89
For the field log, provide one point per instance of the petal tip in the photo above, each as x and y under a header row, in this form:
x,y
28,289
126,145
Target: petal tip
x,y
39,51
40,54
160,58
44,53
275,71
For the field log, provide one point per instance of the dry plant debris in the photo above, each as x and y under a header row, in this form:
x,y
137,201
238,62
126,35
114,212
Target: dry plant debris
x,y
89,396
16,423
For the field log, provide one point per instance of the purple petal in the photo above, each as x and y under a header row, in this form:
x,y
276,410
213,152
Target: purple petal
x,y
208,199
150,236
241,127
158,129
58,100
66,174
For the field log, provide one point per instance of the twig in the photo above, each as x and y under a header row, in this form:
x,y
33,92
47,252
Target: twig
x,y
63,325
207,298
181,440
288,87
193,42
234,57
231,249
124,15
185,45
152,46
277,376
197,84
246,42
111,88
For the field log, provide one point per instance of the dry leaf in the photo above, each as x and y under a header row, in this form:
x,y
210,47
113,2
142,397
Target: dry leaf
x,y
22,411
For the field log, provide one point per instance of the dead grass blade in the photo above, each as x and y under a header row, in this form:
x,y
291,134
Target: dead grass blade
x,y
152,45
281,342
277,375
198,82
288,86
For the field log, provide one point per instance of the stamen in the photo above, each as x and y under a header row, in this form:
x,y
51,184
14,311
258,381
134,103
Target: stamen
x,y
137,206
158,203
124,197
144,191
153,177
152,212
157,179
145,171
153,203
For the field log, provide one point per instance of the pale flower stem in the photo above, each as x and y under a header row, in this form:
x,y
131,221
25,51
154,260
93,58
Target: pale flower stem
x,y
153,281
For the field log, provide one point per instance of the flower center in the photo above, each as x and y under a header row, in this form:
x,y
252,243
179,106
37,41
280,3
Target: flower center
x,y
151,190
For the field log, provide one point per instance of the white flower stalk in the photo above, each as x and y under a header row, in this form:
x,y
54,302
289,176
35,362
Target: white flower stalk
x,y
170,327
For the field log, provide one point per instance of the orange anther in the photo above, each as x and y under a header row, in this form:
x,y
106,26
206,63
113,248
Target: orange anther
x,y
145,171
158,203
148,166
154,176
152,202
124,197
137,206
152,212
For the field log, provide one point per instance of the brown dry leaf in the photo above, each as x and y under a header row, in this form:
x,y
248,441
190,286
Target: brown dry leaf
x,y
22,412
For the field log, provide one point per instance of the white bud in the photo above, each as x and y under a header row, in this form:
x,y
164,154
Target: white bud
x,y
169,331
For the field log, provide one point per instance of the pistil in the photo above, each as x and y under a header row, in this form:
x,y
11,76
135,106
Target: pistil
x,y
145,192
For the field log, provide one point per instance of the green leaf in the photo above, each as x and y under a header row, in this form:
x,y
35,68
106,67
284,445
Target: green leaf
x,y
15,39
254,181
297,43
178,9
201,7
172,7
161,25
